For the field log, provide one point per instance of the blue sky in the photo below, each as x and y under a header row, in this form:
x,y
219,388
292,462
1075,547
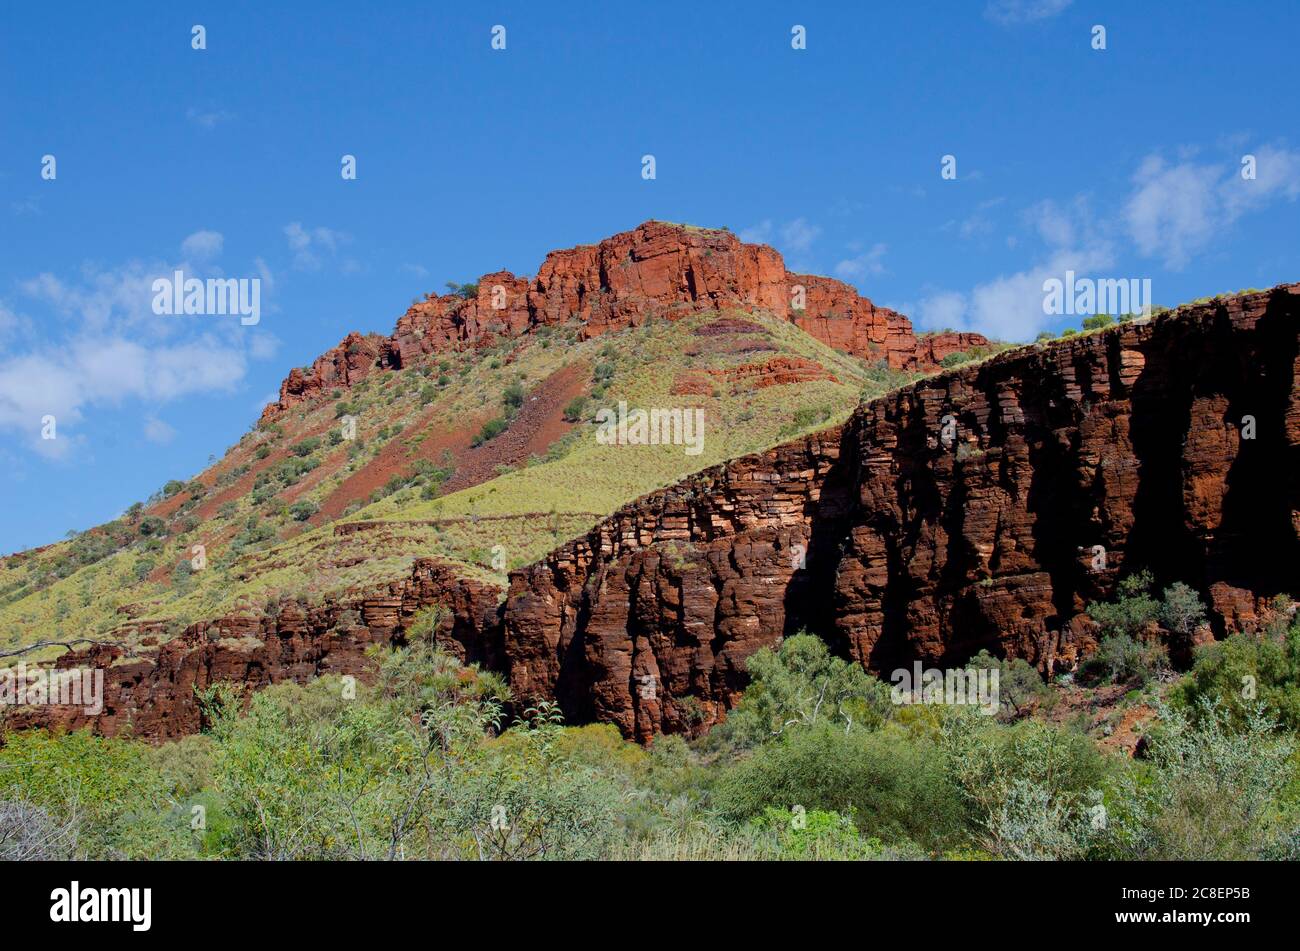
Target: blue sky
x,y
1117,163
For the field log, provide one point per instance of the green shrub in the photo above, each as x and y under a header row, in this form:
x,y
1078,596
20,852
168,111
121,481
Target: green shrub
x,y
1132,611
467,291
491,429
801,685
1019,684
807,416
1244,669
1029,789
303,510
306,447
1098,322
1182,610
513,397
895,786
575,409
1209,790
1124,659
106,798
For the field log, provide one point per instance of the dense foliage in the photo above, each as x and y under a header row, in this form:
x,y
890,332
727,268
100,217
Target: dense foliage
x,y
815,762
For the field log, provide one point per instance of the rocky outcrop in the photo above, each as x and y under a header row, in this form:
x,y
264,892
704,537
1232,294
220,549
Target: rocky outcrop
x,y
343,366
154,693
932,349
655,270
774,371
982,508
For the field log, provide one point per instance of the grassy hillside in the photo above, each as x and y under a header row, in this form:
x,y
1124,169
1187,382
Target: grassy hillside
x,y
428,465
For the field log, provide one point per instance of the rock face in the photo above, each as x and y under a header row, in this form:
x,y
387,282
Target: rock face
x,y
155,696
980,508
654,270
931,349
774,371
343,366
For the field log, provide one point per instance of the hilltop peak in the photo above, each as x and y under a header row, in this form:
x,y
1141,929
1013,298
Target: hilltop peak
x,y
657,269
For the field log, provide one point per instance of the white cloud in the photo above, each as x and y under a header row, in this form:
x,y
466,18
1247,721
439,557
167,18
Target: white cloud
x,y
155,430
942,311
308,244
208,118
975,224
123,294
1011,12
263,346
794,237
202,245
1176,210
26,206
1277,173
65,381
104,347
970,226
264,272
1053,223
861,265
1173,211
798,236
12,324
1009,307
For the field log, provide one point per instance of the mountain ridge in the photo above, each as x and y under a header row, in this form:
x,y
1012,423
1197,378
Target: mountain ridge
x,y
912,547
655,269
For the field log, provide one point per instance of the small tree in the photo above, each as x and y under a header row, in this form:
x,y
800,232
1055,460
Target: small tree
x,y
1019,684
303,510
1182,610
800,684
1131,611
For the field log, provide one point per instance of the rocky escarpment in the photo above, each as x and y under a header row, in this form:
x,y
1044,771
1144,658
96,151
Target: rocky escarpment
x,y
980,508
155,693
655,270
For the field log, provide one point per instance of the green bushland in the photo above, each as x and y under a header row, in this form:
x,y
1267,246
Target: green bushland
x,y
426,762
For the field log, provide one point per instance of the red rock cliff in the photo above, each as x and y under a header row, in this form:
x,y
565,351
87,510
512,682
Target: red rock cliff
x,y
654,270
960,513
